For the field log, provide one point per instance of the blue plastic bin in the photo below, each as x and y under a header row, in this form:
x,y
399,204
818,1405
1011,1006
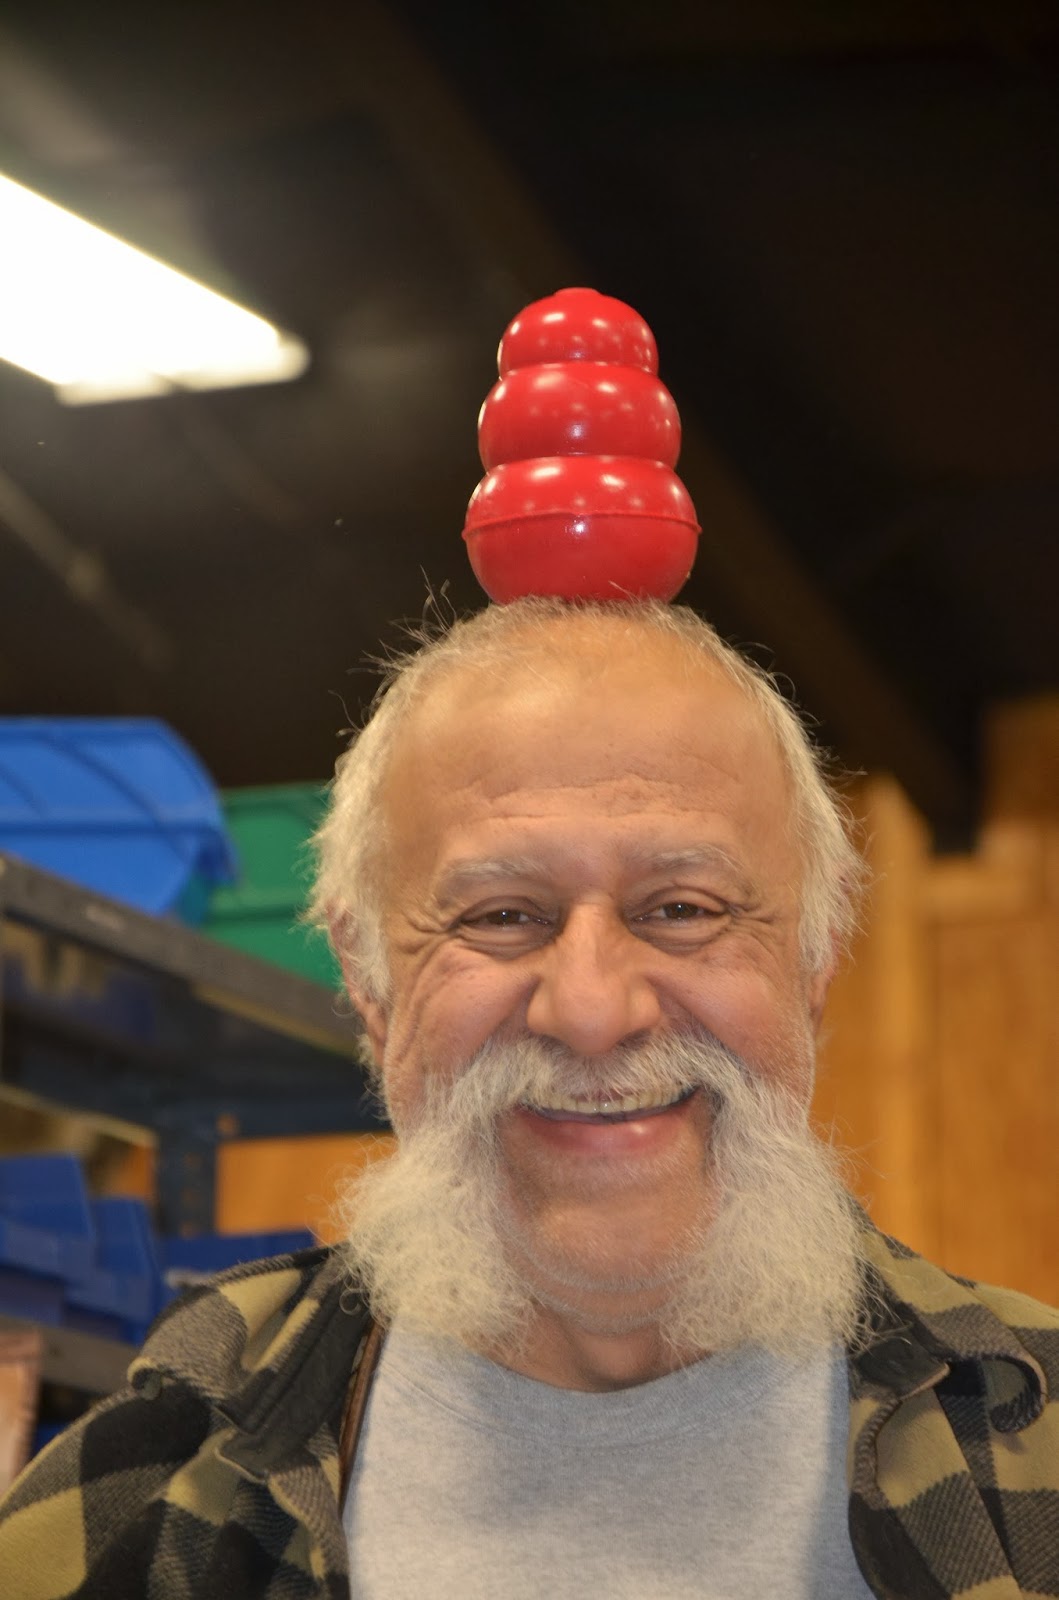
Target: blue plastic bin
x,y
46,1224
29,1295
124,1281
65,1259
97,1265
119,805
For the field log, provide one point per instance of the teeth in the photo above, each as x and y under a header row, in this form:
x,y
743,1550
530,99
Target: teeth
x,y
613,1104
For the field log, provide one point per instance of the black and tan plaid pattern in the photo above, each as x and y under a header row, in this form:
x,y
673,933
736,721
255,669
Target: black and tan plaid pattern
x,y
215,1474
954,1437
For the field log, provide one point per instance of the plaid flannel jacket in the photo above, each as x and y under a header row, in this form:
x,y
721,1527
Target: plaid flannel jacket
x,y
215,1474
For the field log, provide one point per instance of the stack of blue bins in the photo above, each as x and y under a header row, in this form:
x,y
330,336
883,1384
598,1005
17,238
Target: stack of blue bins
x,y
70,1261
97,1265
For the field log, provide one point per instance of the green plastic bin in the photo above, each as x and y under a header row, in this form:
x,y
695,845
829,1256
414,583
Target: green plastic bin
x,y
271,828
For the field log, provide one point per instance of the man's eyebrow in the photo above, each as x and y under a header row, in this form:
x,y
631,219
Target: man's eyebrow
x,y
713,856
480,871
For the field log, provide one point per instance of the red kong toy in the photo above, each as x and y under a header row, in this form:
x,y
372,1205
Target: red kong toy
x,y
579,439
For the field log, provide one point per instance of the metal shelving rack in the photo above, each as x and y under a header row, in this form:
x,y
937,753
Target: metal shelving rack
x,y
106,1011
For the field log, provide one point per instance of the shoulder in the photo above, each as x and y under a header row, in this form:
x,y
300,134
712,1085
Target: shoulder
x,y
251,1318
948,1304
954,1445
228,1359
1012,1339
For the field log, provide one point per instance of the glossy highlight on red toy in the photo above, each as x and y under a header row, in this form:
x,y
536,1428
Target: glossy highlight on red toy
x,y
579,439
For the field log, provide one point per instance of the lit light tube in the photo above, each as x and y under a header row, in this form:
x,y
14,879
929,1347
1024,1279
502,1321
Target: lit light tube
x,y
103,321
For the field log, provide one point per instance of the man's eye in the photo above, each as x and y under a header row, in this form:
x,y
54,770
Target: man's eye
x,y
684,911
691,914
505,930
503,917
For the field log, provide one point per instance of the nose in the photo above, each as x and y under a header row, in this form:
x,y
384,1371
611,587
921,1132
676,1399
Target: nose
x,y
594,991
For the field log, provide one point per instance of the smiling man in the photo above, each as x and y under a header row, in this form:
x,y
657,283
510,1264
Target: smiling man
x,y
608,1323
593,927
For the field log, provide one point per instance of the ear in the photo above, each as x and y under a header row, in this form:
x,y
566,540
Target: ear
x,y
818,988
376,1022
372,1012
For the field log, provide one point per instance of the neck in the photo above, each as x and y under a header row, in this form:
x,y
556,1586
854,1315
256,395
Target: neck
x,y
569,1353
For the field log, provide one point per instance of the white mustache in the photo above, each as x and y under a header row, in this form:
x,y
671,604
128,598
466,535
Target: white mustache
x,y
537,1071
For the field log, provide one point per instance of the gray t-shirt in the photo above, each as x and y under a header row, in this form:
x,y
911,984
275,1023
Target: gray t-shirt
x,y
724,1481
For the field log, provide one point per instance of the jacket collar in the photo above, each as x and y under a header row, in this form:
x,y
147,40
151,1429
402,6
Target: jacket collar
x,y
924,1322
251,1339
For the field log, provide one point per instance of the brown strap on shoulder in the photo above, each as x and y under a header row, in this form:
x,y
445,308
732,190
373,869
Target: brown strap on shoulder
x,y
356,1400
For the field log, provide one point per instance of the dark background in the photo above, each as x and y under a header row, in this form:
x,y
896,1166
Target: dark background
x,y
841,221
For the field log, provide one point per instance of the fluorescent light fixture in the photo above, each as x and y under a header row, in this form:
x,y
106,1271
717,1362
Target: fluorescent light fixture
x,y
103,321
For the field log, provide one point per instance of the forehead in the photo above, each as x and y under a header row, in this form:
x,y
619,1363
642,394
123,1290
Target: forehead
x,y
584,718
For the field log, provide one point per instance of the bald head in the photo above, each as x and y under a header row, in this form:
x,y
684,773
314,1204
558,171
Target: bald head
x,y
589,674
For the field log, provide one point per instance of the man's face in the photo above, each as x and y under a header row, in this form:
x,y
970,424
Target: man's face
x,y
595,851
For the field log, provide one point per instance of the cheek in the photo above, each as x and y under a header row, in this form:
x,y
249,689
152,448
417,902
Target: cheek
x,y
440,1018
764,1021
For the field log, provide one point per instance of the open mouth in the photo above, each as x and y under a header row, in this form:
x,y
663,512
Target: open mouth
x,y
610,1108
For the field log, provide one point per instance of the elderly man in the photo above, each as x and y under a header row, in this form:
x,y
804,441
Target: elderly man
x,y
608,1323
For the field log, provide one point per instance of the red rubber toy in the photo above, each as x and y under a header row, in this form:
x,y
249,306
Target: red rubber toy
x,y
579,439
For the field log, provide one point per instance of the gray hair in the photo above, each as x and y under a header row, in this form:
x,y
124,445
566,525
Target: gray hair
x,y
349,844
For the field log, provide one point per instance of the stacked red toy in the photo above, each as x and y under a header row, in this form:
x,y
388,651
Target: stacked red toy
x,y
579,439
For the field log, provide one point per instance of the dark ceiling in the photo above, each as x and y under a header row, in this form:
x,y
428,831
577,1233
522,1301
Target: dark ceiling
x,y
842,222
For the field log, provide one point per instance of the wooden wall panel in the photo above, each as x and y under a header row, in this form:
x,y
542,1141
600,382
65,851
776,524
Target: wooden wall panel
x,y
1000,1105
273,1184
940,1059
875,1083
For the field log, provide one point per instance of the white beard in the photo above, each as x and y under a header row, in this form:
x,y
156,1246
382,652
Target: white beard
x,y
776,1263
